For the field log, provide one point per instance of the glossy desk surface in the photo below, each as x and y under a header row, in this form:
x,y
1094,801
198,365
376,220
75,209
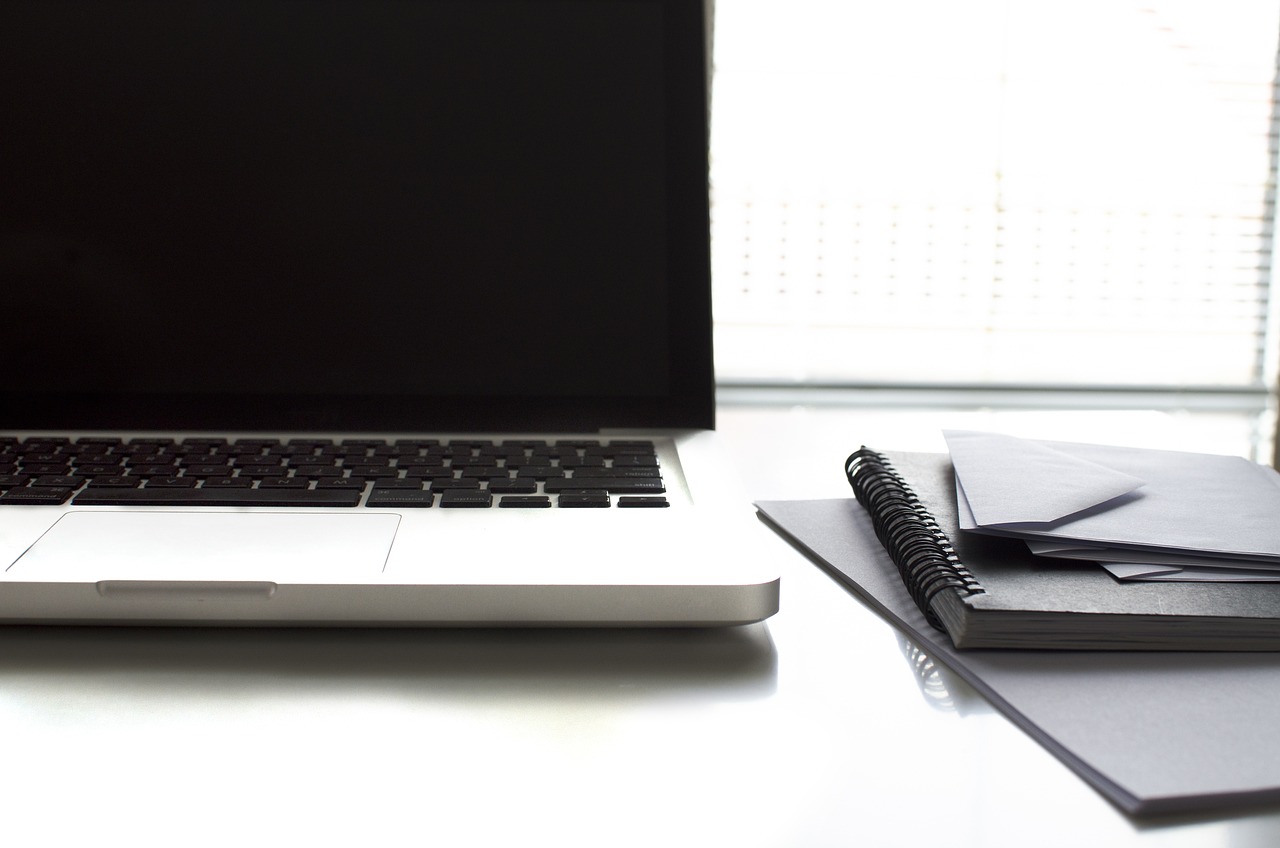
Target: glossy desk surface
x,y
820,727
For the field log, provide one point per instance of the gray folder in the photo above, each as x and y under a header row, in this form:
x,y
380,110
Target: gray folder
x,y
1154,732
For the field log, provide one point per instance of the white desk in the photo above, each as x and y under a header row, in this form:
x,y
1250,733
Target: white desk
x,y
811,729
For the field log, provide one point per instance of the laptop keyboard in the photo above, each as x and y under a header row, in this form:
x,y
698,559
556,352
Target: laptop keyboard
x,y
407,473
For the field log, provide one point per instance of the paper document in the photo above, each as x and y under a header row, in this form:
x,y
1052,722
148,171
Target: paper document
x,y
1151,564
1174,513
1190,573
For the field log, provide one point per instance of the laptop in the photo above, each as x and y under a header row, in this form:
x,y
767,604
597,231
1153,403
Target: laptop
x,y
362,312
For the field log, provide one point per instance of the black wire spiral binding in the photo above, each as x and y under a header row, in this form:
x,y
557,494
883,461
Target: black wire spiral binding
x,y
916,544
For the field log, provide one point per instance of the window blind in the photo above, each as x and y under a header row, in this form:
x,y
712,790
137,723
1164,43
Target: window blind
x,y
995,193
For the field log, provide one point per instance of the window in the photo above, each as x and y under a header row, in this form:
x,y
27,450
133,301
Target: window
x,y
995,193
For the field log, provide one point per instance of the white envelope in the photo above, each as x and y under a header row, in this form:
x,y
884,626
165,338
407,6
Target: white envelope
x,y
1007,480
1172,574
1221,507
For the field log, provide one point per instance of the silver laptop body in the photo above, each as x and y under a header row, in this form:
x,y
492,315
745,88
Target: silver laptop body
x,y
362,313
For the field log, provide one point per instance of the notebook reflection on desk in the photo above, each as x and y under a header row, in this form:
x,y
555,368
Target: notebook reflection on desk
x,y
941,689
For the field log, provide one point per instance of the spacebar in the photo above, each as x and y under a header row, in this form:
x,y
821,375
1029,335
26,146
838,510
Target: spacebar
x,y
217,497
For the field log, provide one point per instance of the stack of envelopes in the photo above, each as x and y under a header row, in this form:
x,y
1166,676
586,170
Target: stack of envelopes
x,y
1142,514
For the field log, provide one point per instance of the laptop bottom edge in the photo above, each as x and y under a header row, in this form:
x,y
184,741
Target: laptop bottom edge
x,y
264,604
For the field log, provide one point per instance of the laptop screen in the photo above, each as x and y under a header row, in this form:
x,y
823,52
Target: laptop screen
x,y
354,214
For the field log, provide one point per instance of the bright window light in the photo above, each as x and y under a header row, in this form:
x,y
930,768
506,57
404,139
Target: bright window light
x,y
994,192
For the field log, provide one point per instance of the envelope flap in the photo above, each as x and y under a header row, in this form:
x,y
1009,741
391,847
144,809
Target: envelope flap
x,y
1008,480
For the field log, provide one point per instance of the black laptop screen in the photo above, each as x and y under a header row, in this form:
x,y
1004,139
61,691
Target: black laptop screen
x,y
353,214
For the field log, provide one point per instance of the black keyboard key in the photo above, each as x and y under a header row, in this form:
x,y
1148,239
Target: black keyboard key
x,y
618,473
642,502
228,483
115,481
582,462
209,470
294,453
42,468
316,472
373,472
207,444
59,481
171,482
367,462
428,473
640,486
156,442
104,442
524,502
409,484
418,499
284,483
146,458
340,484
44,444
563,484
94,469
475,462
528,461
634,461
497,475
513,487
36,496
623,449
420,462
583,500
455,485
539,472
153,470
44,459
260,471
462,499
218,497
255,458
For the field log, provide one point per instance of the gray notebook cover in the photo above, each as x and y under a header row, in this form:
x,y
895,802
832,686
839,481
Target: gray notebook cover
x,y
1155,732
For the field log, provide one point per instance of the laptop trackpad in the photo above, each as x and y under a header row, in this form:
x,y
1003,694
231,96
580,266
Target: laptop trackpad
x,y
278,547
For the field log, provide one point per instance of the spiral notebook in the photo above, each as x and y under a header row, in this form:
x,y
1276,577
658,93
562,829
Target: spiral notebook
x,y
991,592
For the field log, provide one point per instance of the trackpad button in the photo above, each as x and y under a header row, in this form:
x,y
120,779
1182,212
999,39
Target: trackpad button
x,y
213,546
